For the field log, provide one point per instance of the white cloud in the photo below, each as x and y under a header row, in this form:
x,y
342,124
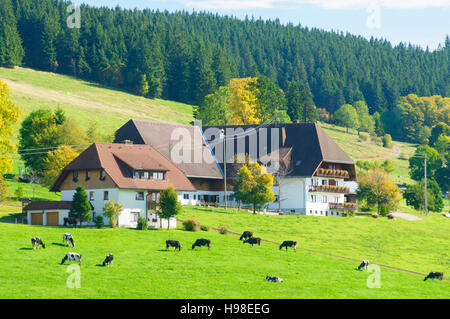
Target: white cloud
x,y
230,4
392,4
328,4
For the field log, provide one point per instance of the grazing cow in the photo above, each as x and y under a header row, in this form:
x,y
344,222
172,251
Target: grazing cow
x,y
274,279
289,243
68,238
202,242
70,220
364,264
434,275
173,243
253,240
246,234
37,242
108,260
72,257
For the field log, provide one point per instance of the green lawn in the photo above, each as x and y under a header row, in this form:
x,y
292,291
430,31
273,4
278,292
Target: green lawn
x,y
420,246
144,269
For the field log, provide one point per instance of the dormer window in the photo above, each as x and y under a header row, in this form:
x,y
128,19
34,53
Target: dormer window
x,y
88,175
75,176
137,174
102,175
158,175
146,175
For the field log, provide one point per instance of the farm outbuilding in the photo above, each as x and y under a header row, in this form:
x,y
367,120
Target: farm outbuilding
x,y
47,213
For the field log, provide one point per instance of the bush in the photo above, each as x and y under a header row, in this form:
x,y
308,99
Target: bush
x,y
362,138
223,229
204,228
191,224
387,141
142,224
99,222
384,210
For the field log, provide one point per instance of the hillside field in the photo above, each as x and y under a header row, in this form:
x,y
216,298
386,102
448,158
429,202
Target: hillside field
x,y
143,268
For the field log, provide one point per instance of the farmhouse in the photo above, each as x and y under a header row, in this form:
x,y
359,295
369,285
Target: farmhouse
x,y
314,176
133,175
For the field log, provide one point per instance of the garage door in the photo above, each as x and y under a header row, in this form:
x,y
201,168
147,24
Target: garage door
x,y
37,218
52,219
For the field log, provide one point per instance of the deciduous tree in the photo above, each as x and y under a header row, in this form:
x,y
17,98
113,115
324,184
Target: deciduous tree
x,y
254,186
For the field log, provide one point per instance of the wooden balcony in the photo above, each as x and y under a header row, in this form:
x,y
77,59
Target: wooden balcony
x,y
336,173
343,206
329,189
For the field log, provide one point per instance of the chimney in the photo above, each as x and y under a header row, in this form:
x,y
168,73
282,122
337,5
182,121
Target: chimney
x,y
128,142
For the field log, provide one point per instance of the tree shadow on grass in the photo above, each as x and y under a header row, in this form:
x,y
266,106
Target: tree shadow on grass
x,y
25,248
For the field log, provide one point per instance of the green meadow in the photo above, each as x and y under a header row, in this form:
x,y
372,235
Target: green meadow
x,y
419,246
143,268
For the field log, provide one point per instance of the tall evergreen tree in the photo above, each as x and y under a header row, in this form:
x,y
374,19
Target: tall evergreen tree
x,y
11,50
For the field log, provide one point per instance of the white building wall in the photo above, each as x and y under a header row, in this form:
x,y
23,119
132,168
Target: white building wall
x,y
132,208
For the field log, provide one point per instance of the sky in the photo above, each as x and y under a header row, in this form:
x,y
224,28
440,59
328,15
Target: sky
x,y
420,22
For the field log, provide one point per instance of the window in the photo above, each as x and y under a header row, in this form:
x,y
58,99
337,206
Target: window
x,y
146,175
195,196
324,199
102,175
88,175
324,182
139,195
313,198
75,176
105,195
137,174
158,175
134,216
91,195
155,197
185,196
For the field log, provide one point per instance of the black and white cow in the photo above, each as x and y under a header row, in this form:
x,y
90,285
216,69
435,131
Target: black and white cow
x,y
70,221
253,240
68,238
364,264
289,243
434,275
246,234
201,242
108,260
173,243
72,257
274,279
37,242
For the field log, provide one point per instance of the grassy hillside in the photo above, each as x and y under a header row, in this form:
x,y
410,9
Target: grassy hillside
x,y
419,246
87,101
143,268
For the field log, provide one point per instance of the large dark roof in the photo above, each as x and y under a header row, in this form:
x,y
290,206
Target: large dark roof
x,y
306,145
159,135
